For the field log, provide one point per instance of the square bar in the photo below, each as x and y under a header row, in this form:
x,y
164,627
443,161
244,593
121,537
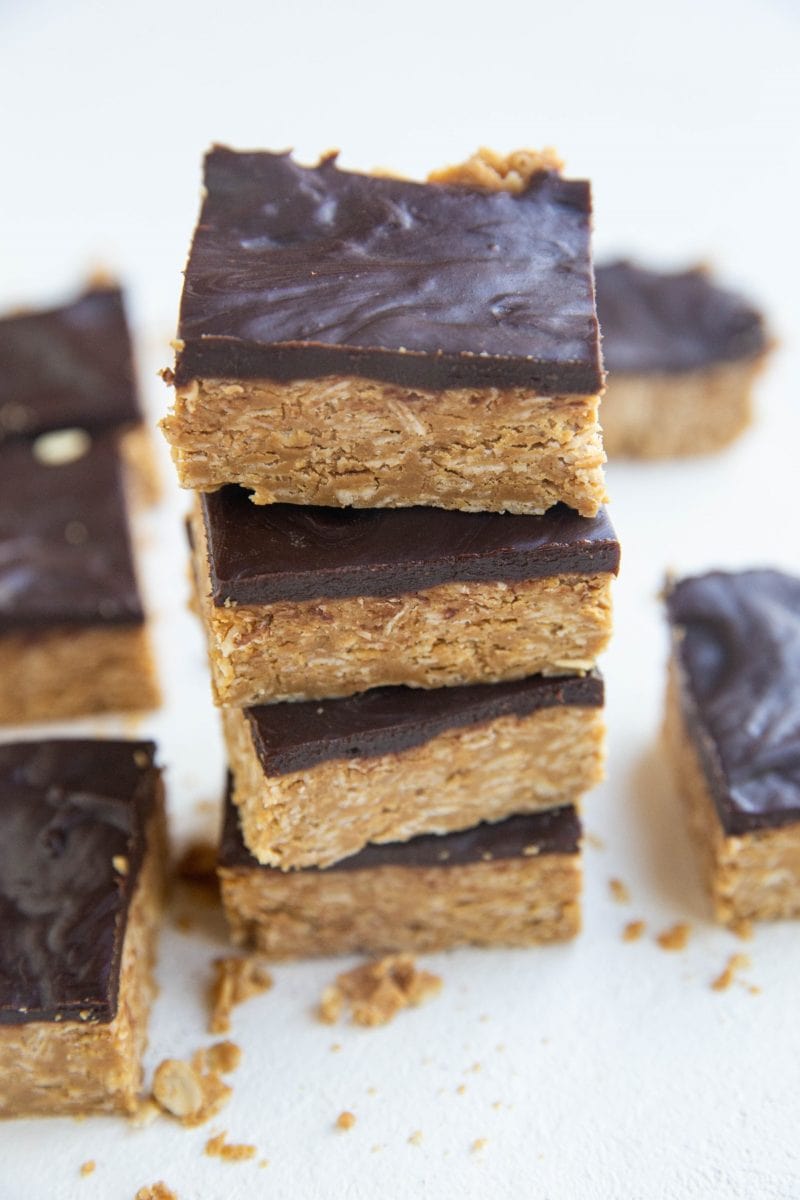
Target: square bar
x,y
82,865
316,780
304,602
358,340
733,731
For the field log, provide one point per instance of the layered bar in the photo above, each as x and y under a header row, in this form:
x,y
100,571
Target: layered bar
x,y
357,340
82,861
682,355
72,367
73,637
316,780
515,883
733,732
306,602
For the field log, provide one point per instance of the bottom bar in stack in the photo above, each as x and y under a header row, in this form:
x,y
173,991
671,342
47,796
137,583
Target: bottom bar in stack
x,y
514,883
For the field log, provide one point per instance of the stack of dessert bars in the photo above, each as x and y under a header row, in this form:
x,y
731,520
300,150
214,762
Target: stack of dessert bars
x,y
386,399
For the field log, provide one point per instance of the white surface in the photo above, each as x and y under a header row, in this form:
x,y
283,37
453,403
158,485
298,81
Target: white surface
x,y
606,1069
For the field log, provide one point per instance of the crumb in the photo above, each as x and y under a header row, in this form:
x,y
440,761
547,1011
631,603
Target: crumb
x,y
187,1092
146,1112
345,1120
633,931
235,980
376,991
619,891
497,1104
156,1191
499,172
742,928
120,864
416,1138
461,1089
218,1147
372,1091
594,841
736,962
263,1162
335,1047
88,1168
478,1145
675,938
474,1069
224,1057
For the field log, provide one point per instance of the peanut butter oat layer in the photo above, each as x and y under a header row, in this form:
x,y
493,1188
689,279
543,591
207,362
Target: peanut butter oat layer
x,y
516,883
733,731
316,780
71,368
82,859
73,638
304,602
356,340
682,355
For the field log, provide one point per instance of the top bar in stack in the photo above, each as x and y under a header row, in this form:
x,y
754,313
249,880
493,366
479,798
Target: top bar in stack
x,y
357,340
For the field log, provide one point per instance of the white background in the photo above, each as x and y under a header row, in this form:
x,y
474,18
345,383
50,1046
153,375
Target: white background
x,y
606,1069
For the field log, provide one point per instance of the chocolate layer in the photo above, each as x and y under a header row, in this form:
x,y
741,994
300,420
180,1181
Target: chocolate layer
x,y
555,831
67,367
672,321
293,736
738,649
259,554
299,272
67,810
65,552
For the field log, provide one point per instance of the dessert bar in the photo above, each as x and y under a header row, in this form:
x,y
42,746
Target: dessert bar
x,y
82,861
73,638
302,602
356,340
733,732
515,883
316,780
682,355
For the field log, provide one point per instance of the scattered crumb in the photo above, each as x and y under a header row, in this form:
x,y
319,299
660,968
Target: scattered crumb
x,y
461,1089
263,1162
218,1147
416,1138
345,1120
235,980
736,962
223,1057
88,1168
146,1112
474,1069
742,928
372,1091
478,1145
619,891
675,938
376,991
633,931
335,1047
120,864
497,1104
594,841
156,1191
187,1091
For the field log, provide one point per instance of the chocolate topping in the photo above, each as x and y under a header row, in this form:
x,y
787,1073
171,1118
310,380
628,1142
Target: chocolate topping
x,y
67,367
299,272
292,736
65,554
659,321
738,649
67,810
556,831
259,554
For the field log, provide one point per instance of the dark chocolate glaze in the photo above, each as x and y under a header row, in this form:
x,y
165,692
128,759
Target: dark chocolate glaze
x,y
259,554
556,831
299,272
292,736
681,321
65,553
67,367
67,808
738,649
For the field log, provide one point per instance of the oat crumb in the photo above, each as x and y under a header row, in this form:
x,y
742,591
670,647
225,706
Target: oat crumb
x,y
223,1057
619,891
736,962
120,864
675,938
377,990
219,1147
633,931
416,1138
499,172
189,1092
156,1191
742,928
235,980
461,1089
335,1047
345,1120
88,1168
145,1113
593,840
263,1162
478,1145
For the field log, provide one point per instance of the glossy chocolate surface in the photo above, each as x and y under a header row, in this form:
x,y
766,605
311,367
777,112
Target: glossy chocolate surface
x,y
738,649
67,809
67,367
259,554
292,736
682,321
65,553
299,272
556,831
